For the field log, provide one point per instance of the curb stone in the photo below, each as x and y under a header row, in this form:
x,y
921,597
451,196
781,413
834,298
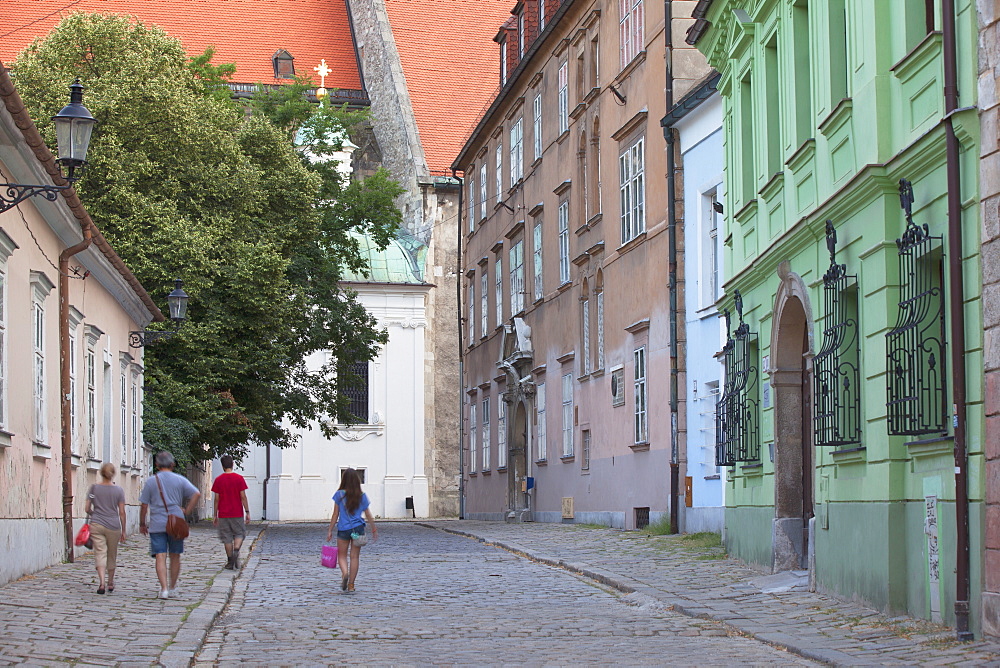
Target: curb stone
x,y
187,641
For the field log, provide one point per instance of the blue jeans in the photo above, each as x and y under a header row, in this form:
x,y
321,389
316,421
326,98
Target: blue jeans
x,y
161,542
345,534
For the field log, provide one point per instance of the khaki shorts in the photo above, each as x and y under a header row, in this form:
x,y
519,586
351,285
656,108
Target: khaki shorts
x,y
231,528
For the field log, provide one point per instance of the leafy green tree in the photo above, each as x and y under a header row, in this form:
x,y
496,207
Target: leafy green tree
x,y
185,183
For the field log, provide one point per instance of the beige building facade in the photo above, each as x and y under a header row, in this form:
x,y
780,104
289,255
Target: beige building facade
x,y
105,303
566,334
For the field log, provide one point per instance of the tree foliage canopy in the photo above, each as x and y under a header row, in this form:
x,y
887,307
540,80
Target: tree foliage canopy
x,y
187,183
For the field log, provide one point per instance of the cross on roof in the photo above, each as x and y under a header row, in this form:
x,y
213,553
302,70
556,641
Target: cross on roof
x,y
323,72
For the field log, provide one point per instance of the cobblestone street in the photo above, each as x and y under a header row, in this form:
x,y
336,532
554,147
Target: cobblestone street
x,y
430,597
456,593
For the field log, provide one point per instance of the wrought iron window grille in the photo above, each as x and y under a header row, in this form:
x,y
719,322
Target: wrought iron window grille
x,y
737,433
836,376
915,348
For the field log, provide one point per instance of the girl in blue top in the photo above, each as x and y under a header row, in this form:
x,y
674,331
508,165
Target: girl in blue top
x,y
350,504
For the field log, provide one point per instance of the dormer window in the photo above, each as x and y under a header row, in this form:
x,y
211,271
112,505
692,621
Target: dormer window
x,y
284,65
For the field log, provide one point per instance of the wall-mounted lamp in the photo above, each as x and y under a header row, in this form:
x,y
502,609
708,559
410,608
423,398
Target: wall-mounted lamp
x,y
177,301
74,126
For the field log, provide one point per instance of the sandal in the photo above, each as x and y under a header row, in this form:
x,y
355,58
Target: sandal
x,y
111,588
343,584
100,590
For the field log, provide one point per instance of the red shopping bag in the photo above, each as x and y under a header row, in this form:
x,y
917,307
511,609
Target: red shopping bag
x,y
83,535
329,558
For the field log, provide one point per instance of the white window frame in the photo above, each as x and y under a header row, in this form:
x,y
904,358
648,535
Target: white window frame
x,y
537,253
641,432
499,171
567,415
516,152
520,34
563,87
92,335
540,422
41,286
631,30
541,15
711,250
486,433
501,433
632,170
472,311
473,435
484,303
483,194
564,274
536,109
585,443
135,424
123,412
503,61
75,318
585,331
517,277
498,275
472,202
599,297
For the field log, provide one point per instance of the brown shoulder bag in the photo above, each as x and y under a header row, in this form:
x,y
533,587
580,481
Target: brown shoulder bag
x,y
177,527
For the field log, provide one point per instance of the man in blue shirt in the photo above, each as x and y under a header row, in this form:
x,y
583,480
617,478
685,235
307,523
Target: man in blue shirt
x,y
166,492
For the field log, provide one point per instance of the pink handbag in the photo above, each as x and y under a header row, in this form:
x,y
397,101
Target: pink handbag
x,y
329,558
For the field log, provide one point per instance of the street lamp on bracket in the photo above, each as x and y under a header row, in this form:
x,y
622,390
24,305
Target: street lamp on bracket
x,y
177,301
74,126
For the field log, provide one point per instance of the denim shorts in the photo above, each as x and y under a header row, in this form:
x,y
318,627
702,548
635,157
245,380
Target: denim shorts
x,y
160,542
346,533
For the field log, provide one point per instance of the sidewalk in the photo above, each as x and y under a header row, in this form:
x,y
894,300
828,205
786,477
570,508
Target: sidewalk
x,y
698,580
55,616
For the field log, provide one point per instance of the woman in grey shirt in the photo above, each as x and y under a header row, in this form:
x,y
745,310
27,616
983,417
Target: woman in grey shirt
x,y
106,508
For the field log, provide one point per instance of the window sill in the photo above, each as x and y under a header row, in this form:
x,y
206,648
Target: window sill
x,y
93,464
563,287
585,377
753,469
713,477
40,450
566,459
595,219
75,461
501,469
597,373
562,136
486,472
5,438
538,300
632,243
473,474
578,110
541,462
537,161
640,447
637,59
850,455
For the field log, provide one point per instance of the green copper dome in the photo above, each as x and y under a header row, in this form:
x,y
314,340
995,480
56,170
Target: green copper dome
x,y
402,261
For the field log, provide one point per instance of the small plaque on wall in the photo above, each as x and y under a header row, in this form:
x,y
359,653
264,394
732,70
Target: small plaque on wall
x,y
618,387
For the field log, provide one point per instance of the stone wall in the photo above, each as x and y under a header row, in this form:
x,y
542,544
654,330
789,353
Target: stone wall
x,y
989,61
430,212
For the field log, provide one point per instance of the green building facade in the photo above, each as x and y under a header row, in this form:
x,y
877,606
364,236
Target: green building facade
x,y
836,422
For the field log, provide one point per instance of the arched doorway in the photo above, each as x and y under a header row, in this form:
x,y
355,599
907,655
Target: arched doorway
x,y
517,462
794,468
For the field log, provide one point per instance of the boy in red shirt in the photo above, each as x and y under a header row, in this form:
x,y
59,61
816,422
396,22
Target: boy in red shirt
x,y
230,508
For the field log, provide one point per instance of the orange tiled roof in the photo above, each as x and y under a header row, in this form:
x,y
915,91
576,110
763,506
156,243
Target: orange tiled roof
x,y
451,64
245,32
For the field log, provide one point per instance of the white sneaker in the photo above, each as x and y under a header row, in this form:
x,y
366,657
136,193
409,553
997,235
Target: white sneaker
x,y
165,593
173,592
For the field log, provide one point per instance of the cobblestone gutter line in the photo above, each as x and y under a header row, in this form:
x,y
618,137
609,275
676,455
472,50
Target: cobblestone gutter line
x,y
780,626
184,646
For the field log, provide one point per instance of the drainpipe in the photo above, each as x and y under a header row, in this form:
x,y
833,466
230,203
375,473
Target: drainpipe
x,y
668,134
957,307
65,396
461,351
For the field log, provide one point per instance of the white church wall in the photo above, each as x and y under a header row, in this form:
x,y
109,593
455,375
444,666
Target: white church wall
x,y
390,449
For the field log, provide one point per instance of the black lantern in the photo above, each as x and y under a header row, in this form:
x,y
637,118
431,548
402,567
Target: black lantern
x,y
74,125
177,300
